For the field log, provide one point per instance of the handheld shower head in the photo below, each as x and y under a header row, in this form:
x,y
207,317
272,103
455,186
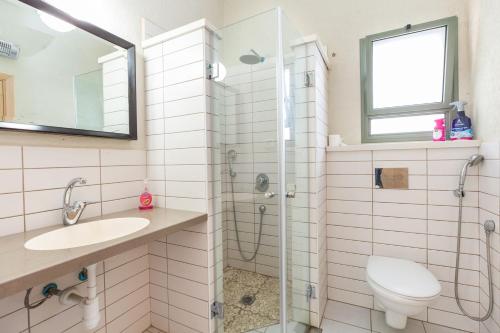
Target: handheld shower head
x,y
472,161
475,160
231,156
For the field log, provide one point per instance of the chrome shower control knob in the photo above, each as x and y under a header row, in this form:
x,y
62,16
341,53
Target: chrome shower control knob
x,y
269,195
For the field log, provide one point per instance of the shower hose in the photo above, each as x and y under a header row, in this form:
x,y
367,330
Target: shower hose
x,y
457,265
262,210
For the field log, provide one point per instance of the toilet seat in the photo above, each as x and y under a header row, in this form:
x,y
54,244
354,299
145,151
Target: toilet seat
x,y
392,295
402,278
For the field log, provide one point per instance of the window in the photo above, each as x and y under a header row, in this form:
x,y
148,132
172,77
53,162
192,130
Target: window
x,y
408,79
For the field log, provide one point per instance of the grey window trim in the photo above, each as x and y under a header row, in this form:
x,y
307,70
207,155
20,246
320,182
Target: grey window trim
x,y
450,91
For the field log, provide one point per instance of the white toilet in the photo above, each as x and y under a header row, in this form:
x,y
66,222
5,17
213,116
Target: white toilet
x,y
401,288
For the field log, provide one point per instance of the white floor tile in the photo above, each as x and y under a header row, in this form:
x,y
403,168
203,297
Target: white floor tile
x,y
331,326
348,314
346,318
433,328
379,325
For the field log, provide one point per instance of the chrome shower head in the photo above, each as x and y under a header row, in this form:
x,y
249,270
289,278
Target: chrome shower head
x,y
252,59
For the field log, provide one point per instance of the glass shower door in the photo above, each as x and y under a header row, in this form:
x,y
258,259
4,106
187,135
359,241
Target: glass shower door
x,y
247,264
295,166
261,254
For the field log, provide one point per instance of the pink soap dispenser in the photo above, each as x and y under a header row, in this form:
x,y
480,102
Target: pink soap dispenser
x,y
439,133
146,199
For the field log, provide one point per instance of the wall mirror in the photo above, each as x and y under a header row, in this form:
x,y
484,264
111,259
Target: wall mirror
x,y
59,74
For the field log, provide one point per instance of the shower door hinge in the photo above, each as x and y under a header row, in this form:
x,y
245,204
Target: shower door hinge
x,y
309,79
213,71
310,292
217,310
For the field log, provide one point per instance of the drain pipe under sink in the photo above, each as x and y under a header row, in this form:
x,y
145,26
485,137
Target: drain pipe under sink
x,y
89,304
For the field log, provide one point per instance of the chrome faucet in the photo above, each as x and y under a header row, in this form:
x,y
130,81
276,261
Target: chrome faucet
x,y
72,211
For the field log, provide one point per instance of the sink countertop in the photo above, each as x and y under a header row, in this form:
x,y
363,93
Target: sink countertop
x,y
21,268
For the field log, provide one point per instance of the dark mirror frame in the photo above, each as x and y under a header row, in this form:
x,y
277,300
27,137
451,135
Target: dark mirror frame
x,y
132,90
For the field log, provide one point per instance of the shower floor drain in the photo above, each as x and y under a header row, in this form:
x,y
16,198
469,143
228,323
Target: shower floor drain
x,y
247,300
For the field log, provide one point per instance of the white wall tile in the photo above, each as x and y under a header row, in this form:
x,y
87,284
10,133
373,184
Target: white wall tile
x,y
400,155
183,57
184,90
182,42
115,174
11,225
113,157
38,201
43,157
51,178
182,74
11,180
11,205
10,157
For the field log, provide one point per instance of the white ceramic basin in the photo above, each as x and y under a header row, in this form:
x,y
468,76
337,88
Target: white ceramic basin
x,y
86,234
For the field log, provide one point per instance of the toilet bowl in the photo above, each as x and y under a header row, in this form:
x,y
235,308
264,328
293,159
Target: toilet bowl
x,y
401,288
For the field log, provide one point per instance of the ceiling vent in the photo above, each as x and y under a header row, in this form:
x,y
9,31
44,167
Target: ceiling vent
x,y
9,50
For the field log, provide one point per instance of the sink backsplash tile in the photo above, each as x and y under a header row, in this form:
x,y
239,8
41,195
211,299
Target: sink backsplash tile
x,y
33,181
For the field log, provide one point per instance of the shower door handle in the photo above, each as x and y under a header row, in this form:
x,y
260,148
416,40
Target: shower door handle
x,y
269,195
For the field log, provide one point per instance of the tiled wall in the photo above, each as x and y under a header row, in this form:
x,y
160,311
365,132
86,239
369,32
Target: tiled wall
x,y
250,129
489,203
115,92
176,121
306,167
419,224
33,181
180,167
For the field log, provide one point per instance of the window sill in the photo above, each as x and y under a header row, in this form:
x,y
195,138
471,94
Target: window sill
x,y
407,145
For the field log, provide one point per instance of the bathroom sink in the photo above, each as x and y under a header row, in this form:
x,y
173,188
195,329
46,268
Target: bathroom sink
x,y
86,234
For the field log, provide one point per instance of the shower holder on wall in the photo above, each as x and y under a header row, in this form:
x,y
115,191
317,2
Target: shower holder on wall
x,y
309,79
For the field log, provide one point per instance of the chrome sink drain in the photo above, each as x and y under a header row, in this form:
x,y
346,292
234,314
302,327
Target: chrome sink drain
x,y
247,300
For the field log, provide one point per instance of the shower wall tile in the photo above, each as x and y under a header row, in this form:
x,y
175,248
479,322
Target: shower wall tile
x,y
418,224
115,92
249,102
181,161
311,127
489,203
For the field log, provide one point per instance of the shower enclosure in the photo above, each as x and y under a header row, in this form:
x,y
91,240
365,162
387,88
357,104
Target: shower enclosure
x,y
261,251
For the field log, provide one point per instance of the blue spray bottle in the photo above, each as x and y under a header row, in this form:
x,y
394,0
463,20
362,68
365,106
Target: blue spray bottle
x,y
461,127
